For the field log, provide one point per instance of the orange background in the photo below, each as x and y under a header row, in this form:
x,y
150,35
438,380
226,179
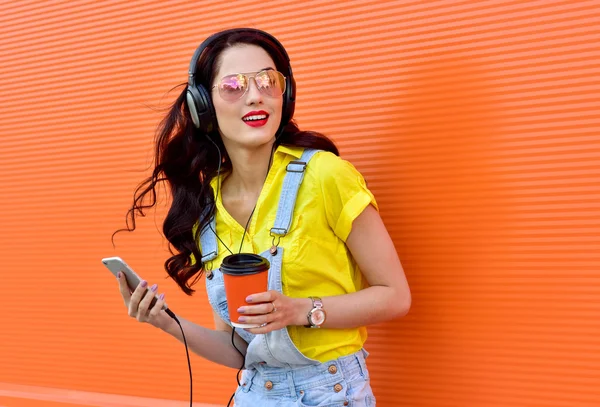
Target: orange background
x,y
476,125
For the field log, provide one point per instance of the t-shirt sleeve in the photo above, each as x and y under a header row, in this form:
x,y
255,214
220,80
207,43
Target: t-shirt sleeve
x,y
345,193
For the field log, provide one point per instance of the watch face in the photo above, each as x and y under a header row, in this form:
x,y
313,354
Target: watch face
x,y
317,317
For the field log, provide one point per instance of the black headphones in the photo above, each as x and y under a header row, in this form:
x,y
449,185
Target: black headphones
x,y
199,100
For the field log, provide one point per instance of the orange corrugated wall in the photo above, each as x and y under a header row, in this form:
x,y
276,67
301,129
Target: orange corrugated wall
x,y
475,123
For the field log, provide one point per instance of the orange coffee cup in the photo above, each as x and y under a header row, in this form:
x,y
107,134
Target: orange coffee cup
x,y
243,274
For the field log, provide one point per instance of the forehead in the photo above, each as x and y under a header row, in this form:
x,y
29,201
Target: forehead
x,y
243,58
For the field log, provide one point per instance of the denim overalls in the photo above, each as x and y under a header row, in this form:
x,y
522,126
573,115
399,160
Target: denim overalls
x,y
276,373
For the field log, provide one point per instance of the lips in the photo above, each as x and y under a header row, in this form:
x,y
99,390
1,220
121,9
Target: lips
x,y
256,118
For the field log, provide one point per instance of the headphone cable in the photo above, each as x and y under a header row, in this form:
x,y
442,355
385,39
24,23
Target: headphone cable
x,y
219,189
237,376
187,353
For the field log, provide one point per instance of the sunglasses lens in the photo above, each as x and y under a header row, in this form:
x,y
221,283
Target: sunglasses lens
x,y
270,83
233,87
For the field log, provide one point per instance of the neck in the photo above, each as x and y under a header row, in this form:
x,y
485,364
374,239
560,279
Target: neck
x,y
249,169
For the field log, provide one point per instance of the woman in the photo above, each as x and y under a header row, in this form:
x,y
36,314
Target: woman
x,y
225,149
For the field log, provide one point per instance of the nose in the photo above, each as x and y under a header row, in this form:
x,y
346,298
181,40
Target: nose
x,y
253,96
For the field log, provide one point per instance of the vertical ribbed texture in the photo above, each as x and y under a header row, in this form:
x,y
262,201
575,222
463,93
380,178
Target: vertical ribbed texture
x,y
475,123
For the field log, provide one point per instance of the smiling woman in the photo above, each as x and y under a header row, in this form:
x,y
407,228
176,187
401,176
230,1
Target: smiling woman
x,y
239,120
243,175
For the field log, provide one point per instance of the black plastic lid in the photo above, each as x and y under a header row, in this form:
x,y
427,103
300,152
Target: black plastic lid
x,y
244,264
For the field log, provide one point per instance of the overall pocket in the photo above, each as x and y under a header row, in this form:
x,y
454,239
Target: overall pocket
x,y
326,396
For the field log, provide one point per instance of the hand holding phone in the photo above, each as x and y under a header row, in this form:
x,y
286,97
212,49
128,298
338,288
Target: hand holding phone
x,y
116,265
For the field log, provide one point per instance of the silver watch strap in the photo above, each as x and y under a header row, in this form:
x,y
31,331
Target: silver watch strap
x,y
317,303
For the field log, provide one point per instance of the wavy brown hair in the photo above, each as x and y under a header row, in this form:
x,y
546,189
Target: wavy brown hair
x,y
187,160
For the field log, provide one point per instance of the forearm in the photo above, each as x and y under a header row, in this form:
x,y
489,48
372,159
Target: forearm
x,y
210,344
369,306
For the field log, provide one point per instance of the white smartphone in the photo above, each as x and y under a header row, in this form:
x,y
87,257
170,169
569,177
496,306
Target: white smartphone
x,y
116,264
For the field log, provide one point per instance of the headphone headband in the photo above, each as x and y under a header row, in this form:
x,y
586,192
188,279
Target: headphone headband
x,y
214,37
199,99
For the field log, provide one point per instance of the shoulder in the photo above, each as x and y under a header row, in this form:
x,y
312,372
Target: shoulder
x,y
330,168
325,163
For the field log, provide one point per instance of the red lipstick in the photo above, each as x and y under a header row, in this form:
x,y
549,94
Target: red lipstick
x,y
256,118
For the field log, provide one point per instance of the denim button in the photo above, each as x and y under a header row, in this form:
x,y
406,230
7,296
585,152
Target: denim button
x,y
269,385
332,369
337,388
346,402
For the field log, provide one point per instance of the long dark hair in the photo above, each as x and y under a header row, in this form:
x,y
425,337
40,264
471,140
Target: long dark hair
x,y
187,161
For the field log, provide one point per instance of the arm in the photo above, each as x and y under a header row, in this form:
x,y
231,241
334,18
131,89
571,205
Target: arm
x,y
214,345
387,297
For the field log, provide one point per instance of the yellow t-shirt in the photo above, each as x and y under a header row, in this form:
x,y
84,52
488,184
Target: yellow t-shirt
x,y
316,260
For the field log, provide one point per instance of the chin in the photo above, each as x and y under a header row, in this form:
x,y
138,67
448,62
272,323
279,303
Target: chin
x,y
257,137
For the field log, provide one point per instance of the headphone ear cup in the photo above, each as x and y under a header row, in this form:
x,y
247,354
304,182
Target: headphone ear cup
x,y
191,102
201,108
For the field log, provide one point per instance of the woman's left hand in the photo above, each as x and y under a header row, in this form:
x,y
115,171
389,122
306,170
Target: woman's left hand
x,y
270,309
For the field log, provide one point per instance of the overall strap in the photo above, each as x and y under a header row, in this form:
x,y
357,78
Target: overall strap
x,y
208,241
289,193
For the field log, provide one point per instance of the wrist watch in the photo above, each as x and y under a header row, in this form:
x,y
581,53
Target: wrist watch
x,y
317,315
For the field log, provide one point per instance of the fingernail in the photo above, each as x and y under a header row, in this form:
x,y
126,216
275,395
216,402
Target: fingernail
x,y
162,296
119,275
144,283
154,287
242,319
241,310
249,299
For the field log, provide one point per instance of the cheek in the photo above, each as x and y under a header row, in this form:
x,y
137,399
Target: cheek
x,y
279,109
225,114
